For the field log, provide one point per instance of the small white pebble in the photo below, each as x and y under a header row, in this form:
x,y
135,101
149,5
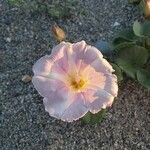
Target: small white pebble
x,y
116,144
116,24
80,23
8,39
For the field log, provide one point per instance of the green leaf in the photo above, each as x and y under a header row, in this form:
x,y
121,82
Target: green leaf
x,y
132,58
90,118
147,44
128,68
16,2
134,1
86,119
117,41
143,77
141,30
146,28
137,28
142,5
118,72
123,45
54,12
135,55
125,36
98,117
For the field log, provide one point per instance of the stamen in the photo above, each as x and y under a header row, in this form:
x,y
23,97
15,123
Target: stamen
x,y
76,85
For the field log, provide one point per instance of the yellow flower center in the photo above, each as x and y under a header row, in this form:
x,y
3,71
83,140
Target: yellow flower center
x,y
76,82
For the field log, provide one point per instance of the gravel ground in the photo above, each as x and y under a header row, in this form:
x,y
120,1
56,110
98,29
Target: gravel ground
x,y
24,124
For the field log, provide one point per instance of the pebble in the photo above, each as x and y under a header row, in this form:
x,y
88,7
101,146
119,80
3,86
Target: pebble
x,y
116,24
80,23
8,39
26,78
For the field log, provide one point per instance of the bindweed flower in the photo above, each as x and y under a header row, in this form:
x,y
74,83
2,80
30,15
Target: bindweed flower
x,y
73,80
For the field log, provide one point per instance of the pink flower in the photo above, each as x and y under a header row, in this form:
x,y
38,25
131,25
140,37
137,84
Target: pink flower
x,y
73,80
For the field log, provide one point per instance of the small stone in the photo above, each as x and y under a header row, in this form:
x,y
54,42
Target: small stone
x,y
8,39
116,24
136,129
26,78
116,144
80,23
8,28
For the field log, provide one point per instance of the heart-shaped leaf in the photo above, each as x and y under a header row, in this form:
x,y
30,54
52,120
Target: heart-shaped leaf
x,y
134,55
128,68
146,29
132,58
141,30
125,36
124,45
143,77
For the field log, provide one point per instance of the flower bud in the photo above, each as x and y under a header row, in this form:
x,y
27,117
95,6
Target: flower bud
x,y
147,9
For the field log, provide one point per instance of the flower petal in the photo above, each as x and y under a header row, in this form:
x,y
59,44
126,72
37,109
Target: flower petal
x,y
93,77
107,82
100,91
57,62
46,86
78,50
58,102
59,56
57,48
91,54
76,110
111,85
42,66
102,65
79,46
97,99
86,55
68,110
